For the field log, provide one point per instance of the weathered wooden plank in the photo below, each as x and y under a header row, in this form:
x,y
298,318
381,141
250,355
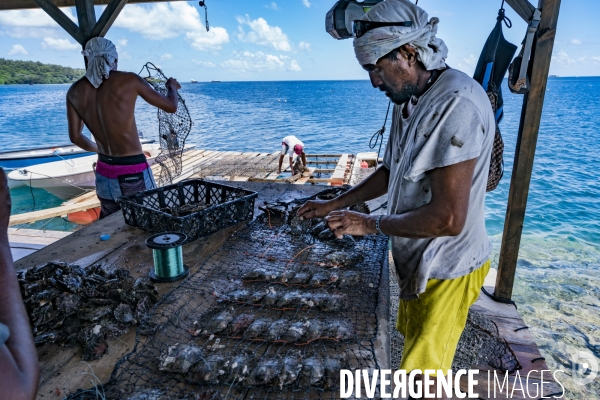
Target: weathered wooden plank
x,y
108,17
522,7
324,171
59,17
514,331
340,170
24,4
531,116
305,176
33,216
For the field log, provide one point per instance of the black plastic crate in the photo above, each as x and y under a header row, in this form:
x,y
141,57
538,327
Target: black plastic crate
x,y
157,210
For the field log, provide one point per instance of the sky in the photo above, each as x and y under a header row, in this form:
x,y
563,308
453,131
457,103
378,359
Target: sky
x,y
260,40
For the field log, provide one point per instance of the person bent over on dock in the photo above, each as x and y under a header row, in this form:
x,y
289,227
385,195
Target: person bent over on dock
x,y
291,146
435,171
19,372
104,100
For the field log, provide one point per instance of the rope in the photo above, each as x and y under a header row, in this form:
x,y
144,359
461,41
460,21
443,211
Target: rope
x,y
31,190
378,136
52,177
498,299
203,4
505,19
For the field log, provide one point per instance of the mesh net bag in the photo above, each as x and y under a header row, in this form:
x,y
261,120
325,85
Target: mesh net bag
x,y
173,128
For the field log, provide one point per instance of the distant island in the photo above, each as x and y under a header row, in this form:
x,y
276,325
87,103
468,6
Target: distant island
x,y
14,72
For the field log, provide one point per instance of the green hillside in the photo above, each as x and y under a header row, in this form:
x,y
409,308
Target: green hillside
x,y
26,72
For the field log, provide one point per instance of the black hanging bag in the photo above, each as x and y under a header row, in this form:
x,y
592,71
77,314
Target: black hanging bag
x,y
491,68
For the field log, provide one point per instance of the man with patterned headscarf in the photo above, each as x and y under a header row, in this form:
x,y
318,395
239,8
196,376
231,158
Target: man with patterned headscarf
x,y
104,100
434,171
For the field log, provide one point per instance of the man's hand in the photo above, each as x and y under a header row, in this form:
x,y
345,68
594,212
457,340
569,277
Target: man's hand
x,y
172,83
350,223
316,209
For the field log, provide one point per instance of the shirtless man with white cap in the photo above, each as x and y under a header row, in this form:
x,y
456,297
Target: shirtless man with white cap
x,y
104,100
435,172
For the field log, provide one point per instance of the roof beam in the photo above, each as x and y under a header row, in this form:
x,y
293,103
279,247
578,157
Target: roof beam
x,y
108,17
25,4
522,7
65,22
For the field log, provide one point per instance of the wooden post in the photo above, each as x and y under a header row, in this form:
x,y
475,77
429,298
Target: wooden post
x,y
531,115
86,15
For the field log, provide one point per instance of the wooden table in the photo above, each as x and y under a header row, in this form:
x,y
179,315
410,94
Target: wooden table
x,y
61,368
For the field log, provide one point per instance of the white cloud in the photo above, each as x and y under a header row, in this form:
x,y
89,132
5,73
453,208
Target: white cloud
x,y
19,23
305,46
31,18
294,67
563,58
59,44
206,64
124,56
272,6
213,40
166,57
260,61
264,34
169,20
306,3
17,49
575,41
122,42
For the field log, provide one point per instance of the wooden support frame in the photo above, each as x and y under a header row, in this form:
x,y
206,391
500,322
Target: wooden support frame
x,y
61,19
531,116
86,15
108,17
522,7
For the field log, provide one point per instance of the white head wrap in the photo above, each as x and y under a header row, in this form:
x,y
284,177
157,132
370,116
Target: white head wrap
x,y
378,42
102,55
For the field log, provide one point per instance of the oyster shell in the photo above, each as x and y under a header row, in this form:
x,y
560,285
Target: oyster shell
x,y
180,357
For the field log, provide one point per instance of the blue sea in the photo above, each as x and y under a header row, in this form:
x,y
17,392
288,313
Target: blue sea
x,y
558,277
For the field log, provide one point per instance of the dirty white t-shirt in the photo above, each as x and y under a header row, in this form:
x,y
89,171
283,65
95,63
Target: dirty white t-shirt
x,y
288,143
451,123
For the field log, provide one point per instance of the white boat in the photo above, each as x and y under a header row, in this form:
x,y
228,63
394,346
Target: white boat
x,y
69,178
14,159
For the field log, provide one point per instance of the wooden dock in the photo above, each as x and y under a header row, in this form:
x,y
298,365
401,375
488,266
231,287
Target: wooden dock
x,y
232,166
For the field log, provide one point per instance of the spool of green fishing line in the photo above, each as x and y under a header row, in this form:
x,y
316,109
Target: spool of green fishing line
x,y
168,256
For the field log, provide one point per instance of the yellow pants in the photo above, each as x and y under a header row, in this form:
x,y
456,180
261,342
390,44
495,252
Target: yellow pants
x,y
433,323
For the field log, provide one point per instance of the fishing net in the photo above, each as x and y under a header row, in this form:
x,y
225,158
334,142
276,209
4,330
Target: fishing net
x,y
173,128
276,312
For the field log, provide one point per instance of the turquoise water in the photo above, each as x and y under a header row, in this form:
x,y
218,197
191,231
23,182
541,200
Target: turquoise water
x,y
558,277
